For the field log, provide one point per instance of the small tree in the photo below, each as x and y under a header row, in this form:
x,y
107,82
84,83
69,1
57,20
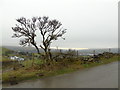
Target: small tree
x,y
50,30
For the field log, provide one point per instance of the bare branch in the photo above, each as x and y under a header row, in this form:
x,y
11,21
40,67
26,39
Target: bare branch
x,y
26,28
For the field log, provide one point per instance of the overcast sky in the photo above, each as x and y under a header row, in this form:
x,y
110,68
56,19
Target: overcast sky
x,y
89,23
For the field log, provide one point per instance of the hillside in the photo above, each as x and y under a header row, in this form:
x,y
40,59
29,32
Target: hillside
x,y
86,51
6,51
21,49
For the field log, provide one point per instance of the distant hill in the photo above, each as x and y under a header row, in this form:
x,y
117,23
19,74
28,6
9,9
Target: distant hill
x,y
22,49
6,50
87,51
33,50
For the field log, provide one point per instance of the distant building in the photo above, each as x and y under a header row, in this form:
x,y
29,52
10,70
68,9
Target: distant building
x,y
16,58
91,54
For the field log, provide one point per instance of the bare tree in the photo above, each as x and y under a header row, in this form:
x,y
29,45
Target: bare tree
x,y
50,30
26,28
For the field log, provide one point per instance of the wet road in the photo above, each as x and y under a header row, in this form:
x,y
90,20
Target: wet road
x,y
104,76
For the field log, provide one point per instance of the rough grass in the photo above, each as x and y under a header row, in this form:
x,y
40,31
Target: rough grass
x,y
30,72
103,61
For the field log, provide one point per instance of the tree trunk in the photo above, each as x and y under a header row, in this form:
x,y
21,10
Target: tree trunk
x,y
50,55
46,54
37,49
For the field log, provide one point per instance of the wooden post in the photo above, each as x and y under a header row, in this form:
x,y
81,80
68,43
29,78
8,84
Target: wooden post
x,y
94,52
57,48
60,51
77,53
109,50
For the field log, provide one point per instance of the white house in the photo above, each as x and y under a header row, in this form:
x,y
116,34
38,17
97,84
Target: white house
x,y
16,58
21,59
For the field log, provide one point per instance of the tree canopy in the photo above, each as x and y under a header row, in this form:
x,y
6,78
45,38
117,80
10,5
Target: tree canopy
x,y
50,30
